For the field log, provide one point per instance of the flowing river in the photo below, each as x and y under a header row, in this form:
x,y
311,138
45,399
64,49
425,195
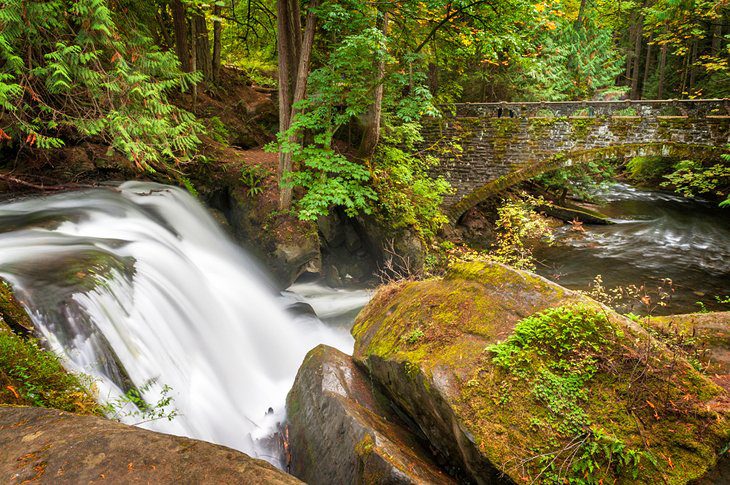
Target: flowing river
x,y
138,287
655,236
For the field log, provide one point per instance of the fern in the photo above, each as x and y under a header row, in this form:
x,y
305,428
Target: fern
x,y
94,73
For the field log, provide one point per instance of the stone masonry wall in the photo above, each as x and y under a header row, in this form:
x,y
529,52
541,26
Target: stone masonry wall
x,y
505,143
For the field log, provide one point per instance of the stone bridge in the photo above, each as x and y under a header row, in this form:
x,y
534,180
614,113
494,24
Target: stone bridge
x,y
486,147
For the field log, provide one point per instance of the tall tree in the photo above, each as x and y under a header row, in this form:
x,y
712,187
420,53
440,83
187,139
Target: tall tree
x,y
180,26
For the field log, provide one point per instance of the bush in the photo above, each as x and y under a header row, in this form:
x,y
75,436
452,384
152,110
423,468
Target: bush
x,y
691,179
648,169
406,195
34,376
518,227
73,69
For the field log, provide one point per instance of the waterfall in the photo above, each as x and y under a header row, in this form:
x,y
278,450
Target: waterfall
x,y
137,286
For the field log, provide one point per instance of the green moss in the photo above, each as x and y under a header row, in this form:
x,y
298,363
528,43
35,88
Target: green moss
x,y
365,446
11,311
33,376
582,127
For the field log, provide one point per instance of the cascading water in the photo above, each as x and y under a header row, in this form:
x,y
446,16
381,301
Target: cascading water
x,y
138,287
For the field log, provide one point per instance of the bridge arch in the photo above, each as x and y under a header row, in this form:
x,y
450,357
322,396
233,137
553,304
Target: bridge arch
x,y
486,147
576,157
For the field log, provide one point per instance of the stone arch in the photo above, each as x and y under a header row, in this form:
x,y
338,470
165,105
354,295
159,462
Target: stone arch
x,y
536,167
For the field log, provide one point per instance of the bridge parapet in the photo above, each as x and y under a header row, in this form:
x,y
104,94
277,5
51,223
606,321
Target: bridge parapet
x,y
699,108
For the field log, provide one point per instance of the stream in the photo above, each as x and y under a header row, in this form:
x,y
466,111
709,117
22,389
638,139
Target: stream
x,y
655,236
138,287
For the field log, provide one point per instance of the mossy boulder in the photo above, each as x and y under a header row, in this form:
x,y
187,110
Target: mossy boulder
x,y
515,378
49,446
343,430
704,337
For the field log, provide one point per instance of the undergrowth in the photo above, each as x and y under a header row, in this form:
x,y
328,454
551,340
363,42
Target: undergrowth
x,y
557,353
33,376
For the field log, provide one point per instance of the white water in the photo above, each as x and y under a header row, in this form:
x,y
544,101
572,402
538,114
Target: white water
x,y
181,306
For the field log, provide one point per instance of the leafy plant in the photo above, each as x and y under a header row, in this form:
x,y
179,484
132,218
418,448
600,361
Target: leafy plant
x,y
557,352
518,227
133,404
35,376
253,177
414,336
580,180
218,130
691,179
74,69
407,195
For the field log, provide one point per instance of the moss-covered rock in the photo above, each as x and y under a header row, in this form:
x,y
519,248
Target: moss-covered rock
x,y
508,373
342,429
30,374
12,313
704,337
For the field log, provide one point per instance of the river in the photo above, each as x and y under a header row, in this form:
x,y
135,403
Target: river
x,y
138,287
655,236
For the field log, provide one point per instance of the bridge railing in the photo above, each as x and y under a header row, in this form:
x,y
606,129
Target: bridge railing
x,y
691,108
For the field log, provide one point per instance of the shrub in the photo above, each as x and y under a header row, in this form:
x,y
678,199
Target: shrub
x,y
74,69
691,179
518,227
34,376
648,169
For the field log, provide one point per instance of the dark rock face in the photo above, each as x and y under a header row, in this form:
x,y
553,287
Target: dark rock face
x,y
12,313
286,246
343,431
346,255
50,446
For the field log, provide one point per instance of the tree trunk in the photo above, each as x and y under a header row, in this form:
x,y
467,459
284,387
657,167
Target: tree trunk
x,y
637,60
285,55
202,45
662,65
194,61
180,25
717,38
647,68
581,13
371,134
630,52
217,32
300,90
693,67
685,74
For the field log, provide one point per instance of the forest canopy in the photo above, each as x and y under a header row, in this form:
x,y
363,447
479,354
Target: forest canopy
x,y
354,78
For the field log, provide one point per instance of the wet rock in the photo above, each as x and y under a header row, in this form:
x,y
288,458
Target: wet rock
x,y
400,249
286,246
12,313
49,446
428,344
300,308
342,430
